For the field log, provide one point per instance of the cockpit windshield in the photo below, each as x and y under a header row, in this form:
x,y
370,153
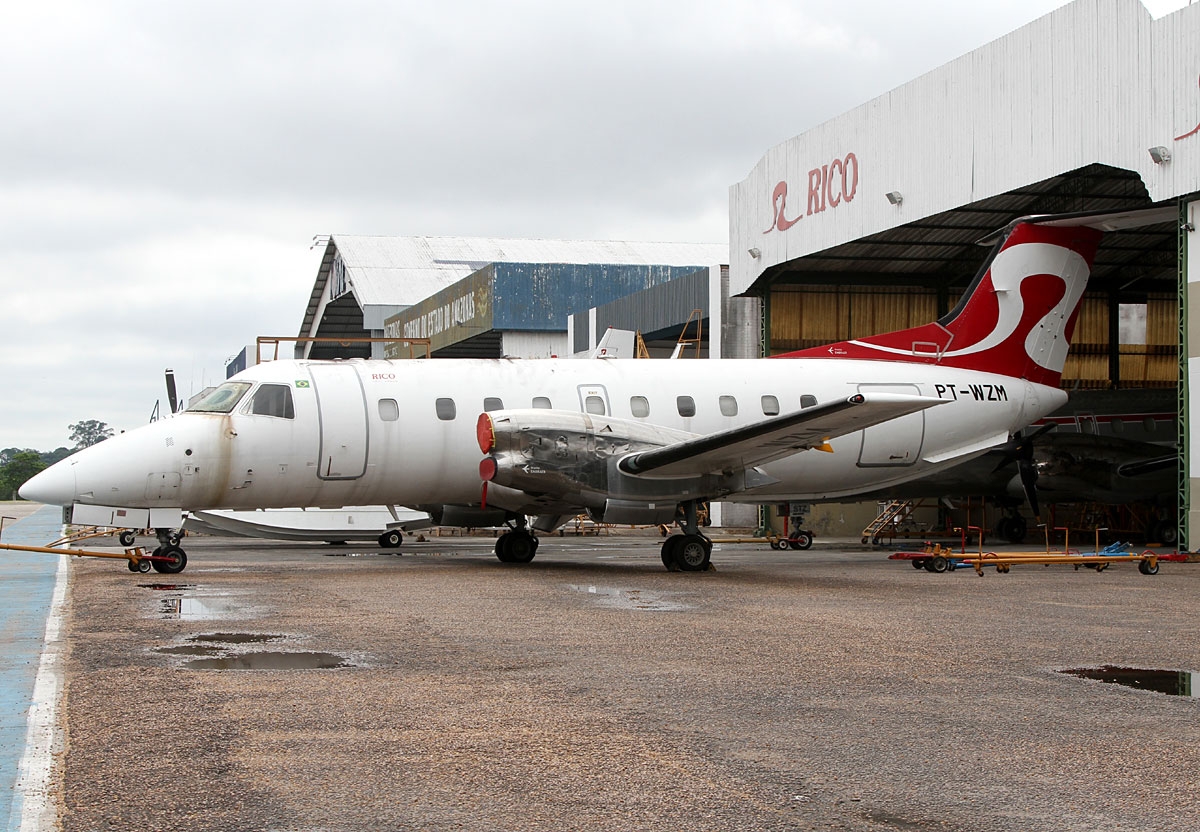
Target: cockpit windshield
x,y
221,400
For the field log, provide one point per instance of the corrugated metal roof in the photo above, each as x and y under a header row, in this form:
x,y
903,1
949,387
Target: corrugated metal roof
x,y
402,271
406,270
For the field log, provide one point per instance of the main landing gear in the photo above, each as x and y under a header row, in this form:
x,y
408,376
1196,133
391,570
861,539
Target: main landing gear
x,y
518,544
690,551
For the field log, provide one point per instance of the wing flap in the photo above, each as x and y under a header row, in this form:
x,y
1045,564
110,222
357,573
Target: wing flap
x,y
762,442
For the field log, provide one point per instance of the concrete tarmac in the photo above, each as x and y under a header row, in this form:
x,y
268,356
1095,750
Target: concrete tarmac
x,y
593,690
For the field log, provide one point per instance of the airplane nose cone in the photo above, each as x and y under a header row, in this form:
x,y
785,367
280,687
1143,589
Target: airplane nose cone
x,y
54,486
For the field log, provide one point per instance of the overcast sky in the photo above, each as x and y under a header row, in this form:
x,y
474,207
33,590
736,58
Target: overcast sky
x,y
167,164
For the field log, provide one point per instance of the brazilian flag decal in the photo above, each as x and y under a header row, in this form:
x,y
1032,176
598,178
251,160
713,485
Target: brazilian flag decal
x,y
302,382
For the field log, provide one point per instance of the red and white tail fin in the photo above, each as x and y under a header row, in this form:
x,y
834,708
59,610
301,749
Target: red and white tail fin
x,y
1016,318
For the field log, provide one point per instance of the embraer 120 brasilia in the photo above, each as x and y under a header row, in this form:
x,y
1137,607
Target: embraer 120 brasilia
x,y
497,442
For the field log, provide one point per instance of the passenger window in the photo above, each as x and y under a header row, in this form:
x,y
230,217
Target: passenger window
x,y
389,411
542,402
686,405
594,404
446,410
491,403
807,400
770,406
728,406
639,406
273,400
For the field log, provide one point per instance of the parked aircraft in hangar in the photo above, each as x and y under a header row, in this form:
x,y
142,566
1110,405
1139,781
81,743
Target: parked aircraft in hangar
x,y
479,442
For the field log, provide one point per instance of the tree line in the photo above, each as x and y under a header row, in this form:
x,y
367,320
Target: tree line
x,y
17,465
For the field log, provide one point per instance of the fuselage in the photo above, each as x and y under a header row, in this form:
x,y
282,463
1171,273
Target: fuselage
x,y
357,432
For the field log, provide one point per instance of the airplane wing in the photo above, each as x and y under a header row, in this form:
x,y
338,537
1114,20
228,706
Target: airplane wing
x,y
762,442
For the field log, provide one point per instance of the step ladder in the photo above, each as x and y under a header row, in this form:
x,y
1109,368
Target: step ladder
x,y
893,514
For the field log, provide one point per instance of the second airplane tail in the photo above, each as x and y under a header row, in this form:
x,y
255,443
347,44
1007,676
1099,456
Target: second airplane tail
x,y
1016,318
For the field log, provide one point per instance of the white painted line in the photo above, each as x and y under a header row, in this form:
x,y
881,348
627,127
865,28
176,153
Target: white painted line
x,y
35,787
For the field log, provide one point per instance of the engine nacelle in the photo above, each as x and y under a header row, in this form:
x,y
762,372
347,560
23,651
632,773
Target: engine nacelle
x,y
562,461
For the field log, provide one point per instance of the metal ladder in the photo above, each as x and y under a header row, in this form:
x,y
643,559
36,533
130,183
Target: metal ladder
x,y
882,526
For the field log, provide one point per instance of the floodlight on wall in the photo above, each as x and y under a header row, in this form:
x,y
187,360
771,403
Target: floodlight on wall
x,y
756,252
895,197
1160,155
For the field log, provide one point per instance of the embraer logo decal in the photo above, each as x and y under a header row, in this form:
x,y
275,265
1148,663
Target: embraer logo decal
x,y
828,187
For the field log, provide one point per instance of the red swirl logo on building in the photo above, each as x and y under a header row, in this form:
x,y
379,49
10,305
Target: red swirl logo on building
x,y
828,187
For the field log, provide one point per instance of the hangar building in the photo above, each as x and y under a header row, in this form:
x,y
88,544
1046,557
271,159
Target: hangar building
x,y
477,297
869,221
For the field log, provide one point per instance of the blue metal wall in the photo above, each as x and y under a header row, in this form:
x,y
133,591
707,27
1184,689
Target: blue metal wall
x,y
540,296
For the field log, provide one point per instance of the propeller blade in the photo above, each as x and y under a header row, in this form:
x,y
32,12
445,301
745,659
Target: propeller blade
x,y
171,398
1029,475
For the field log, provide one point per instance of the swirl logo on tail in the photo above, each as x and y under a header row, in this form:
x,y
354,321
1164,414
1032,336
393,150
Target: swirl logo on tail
x,y
1016,318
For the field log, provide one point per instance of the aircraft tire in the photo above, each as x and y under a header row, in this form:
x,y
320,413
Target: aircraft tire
x,y
669,553
173,567
1012,529
1165,532
390,539
802,540
502,548
126,538
692,553
520,547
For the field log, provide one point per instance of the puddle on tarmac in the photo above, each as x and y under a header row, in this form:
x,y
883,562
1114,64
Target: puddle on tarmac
x,y
198,609
270,661
632,599
192,602
1170,682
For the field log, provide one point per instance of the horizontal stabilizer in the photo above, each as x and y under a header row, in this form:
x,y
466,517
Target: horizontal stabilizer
x,y
1149,466
762,442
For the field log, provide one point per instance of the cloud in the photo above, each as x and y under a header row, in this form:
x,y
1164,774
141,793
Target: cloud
x,y
167,164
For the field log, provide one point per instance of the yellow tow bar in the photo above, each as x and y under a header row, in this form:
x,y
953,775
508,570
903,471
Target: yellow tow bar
x,y
171,560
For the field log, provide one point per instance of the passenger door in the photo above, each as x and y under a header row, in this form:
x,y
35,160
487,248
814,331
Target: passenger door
x,y
342,410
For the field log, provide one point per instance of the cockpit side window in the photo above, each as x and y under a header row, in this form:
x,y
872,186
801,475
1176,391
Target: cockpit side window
x,y
221,400
273,400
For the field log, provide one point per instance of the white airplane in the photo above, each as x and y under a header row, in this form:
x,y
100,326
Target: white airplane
x,y
491,442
